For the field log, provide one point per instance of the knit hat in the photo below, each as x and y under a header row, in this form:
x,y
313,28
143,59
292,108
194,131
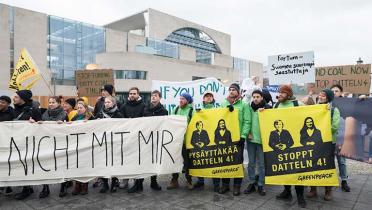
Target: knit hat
x,y
6,99
208,92
329,94
267,96
71,101
257,92
25,95
235,86
109,88
188,97
286,89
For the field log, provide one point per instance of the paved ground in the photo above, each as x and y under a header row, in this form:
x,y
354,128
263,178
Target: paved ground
x,y
360,197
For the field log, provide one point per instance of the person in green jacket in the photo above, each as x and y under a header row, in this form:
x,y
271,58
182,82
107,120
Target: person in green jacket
x,y
326,96
286,100
208,103
185,108
234,101
254,145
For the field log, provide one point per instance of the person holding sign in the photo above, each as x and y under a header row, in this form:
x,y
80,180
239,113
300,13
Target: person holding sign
x,y
341,160
286,100
254,145
155,108
326,96
234,101
69,107
25,110
186,109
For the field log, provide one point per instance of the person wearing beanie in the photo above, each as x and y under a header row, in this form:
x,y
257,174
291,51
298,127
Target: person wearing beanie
x,y
286,100
254,145
6,111
185,108
106,90
24,110
341,160
69,107
232,102
326,96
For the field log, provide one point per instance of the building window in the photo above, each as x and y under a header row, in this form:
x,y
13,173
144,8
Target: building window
x,y
203,56
130,74
71,46
163,48
242,66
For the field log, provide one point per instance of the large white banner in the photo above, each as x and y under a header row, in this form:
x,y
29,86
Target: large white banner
x,y
33,154
171,91
295,68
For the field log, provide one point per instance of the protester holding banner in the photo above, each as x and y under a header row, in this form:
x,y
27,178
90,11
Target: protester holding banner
x,y
341,160
24,110
69,107
106,90
133,108
286,100
254,145
155,108
234,101
186,109
6,114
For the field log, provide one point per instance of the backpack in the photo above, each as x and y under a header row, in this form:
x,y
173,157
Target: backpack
x,y
190,112
295,103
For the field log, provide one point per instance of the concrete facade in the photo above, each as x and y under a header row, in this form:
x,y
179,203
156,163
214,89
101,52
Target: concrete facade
x,y
5,47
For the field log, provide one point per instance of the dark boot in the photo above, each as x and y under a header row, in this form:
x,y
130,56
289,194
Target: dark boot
x,y
198,185
313,192
224,189
26,192
114,185
285,195
8,191
84,188
344,186
154,184
173,184
301,201
261,191
328,194
105,186
63,190
250,189
77,188
236,190
137,187
45,192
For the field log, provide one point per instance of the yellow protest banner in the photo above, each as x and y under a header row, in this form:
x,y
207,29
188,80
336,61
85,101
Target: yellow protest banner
x,y
297,144
25,71
212,144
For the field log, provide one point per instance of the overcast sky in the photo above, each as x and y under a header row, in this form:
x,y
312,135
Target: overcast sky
x,y
338,31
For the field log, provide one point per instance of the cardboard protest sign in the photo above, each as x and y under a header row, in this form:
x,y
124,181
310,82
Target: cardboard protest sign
x,y
26,71
48,153
354,139
297,144
90,82
354,79
171,91
211,143
292,68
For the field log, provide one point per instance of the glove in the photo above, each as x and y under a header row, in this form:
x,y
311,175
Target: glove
x,y
198,110
241,142
231,108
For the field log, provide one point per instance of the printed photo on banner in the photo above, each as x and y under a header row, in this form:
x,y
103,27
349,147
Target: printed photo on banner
x,y
171,91
298,148
211,143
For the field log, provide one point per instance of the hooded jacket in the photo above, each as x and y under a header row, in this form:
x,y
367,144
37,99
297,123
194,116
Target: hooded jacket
x,y
7,115
133,109
26,111
157,110
57,114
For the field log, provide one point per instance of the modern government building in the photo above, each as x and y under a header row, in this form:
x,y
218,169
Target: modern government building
x,y
146,46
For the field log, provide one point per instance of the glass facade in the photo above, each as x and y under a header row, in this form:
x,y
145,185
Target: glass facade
x,y
71,46
130,74
163,48
204,45
242,66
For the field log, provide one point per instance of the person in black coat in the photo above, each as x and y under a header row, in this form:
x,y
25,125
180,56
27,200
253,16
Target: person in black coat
x,y
6,111
106,91
199,137
280,139
25,110
221,134
110,110
155,108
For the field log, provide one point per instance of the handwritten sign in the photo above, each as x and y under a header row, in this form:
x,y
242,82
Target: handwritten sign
x,y
293,68
90,82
